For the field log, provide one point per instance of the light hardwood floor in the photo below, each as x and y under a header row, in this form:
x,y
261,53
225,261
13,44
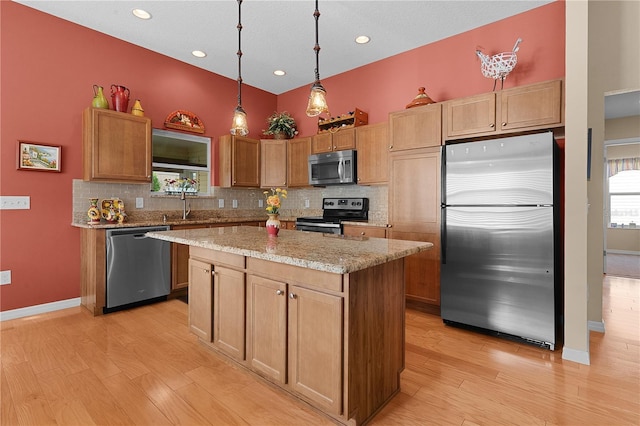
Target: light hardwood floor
x,y
142,367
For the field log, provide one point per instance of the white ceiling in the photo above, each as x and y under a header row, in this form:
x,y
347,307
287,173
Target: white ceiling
x,y
279,34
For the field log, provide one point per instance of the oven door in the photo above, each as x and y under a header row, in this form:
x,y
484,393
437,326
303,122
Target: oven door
x,y
333,168
324,227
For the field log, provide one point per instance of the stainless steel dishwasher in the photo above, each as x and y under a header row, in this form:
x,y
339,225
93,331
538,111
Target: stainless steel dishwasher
x,y
138,267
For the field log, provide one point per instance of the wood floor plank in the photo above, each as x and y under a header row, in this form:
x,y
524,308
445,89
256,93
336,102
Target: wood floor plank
x,y
209,407
67,408
29,402
8,414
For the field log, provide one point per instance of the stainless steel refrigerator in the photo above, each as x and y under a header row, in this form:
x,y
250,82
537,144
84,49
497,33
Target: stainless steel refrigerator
x,y
501,260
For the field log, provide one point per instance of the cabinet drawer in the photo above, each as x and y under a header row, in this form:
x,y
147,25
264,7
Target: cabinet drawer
x,y
364,231
295,274
217,257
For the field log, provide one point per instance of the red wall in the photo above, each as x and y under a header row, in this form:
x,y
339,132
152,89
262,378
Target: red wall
x,y
49,66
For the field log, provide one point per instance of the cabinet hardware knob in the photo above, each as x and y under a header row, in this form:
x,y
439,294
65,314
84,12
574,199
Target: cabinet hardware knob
x,y
492,125
334,147
390,146
504,123
292,296
206,271
362,233
279,292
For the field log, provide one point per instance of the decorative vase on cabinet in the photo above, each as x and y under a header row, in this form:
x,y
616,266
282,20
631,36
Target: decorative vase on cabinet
x,y
273,224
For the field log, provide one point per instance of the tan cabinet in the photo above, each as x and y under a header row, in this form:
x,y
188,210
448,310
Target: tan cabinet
x,y
338,141
201,299
273,163
372,144
229,311
116,146
525,108
298,151
414,214
364,231
180,261
417,127
239,162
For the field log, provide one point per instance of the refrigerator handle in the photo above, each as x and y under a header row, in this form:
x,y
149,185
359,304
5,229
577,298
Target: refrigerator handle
x,y
443,235
443,175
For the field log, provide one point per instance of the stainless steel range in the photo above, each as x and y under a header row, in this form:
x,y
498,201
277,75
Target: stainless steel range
x,y
334,212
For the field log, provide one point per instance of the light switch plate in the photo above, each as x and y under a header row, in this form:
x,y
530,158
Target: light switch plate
x,y
5,277
221,203
139,202
234,204
15,203
306,204
260,203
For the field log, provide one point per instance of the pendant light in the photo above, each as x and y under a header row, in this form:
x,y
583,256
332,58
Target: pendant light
x,y
317,101
239,125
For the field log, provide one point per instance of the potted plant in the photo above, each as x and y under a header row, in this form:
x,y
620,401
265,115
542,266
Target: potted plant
x,y
281,126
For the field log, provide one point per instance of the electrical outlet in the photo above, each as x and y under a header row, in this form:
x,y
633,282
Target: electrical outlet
x,y
234,203
139,202
306,204
260,203
221,203
5,277
15,203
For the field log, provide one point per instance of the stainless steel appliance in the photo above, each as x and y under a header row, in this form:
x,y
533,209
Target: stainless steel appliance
x,y
138,267
334,211
501,260
332,168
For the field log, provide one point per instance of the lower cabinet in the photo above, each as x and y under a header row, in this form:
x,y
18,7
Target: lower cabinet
x,y
364,231
288,344
201,299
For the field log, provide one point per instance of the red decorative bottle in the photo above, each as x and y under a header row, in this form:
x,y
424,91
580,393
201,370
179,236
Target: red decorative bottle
x,y
119,98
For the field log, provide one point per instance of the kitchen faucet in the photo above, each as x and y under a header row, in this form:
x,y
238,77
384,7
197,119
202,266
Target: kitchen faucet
x,y
185,212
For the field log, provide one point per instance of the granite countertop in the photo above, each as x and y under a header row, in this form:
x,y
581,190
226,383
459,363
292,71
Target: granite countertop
x,y
173,222
313,250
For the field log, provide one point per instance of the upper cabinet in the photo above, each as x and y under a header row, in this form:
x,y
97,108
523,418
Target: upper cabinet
x,y
239,162
532,107
298,151
418,127
338,141
116,146
273,163
373,155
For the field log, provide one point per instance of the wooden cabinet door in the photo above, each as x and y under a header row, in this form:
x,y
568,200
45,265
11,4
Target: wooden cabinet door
x,y
475,115
364,231
273,163
239,162
417,127
298,151
532,106
321,143
315,347
116,146
414,214
344,139
372,143
267,327
180,260
200,299
229,311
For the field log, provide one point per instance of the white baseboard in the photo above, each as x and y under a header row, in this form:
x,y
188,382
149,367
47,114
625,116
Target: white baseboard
x,y
635,253
575,355
39,309
596,326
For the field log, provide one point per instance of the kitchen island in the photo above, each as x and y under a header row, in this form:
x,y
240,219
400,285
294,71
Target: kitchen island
x,y
319,316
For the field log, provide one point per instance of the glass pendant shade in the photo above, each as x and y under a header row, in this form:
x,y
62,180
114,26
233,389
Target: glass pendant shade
x,y
239,126
317,102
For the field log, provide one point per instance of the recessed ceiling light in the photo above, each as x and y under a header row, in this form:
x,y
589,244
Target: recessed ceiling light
x,y
142,14
198,54
363,39
279,73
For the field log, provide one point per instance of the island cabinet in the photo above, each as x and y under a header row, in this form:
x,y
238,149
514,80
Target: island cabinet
x,y
328,331
273,163
180,263
217,300
364,231
372,144
334,141
414,215
116,146
298,151
519,109
417,127
239,162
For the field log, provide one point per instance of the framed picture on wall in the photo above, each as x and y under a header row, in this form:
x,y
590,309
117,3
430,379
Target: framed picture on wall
x,y
38,156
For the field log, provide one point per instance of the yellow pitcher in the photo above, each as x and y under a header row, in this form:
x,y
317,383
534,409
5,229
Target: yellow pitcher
x,y
99,99
136,109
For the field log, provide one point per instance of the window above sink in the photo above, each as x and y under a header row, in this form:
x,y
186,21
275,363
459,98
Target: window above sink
x,y
178,156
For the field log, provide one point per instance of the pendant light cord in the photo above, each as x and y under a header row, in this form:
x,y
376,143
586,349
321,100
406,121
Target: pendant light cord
x,y
239,26
316,15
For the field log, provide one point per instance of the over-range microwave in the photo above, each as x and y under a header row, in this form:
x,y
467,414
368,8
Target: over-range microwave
x,y
332,168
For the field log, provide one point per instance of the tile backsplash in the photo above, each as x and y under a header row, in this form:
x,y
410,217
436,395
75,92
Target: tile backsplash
x,y
247,199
